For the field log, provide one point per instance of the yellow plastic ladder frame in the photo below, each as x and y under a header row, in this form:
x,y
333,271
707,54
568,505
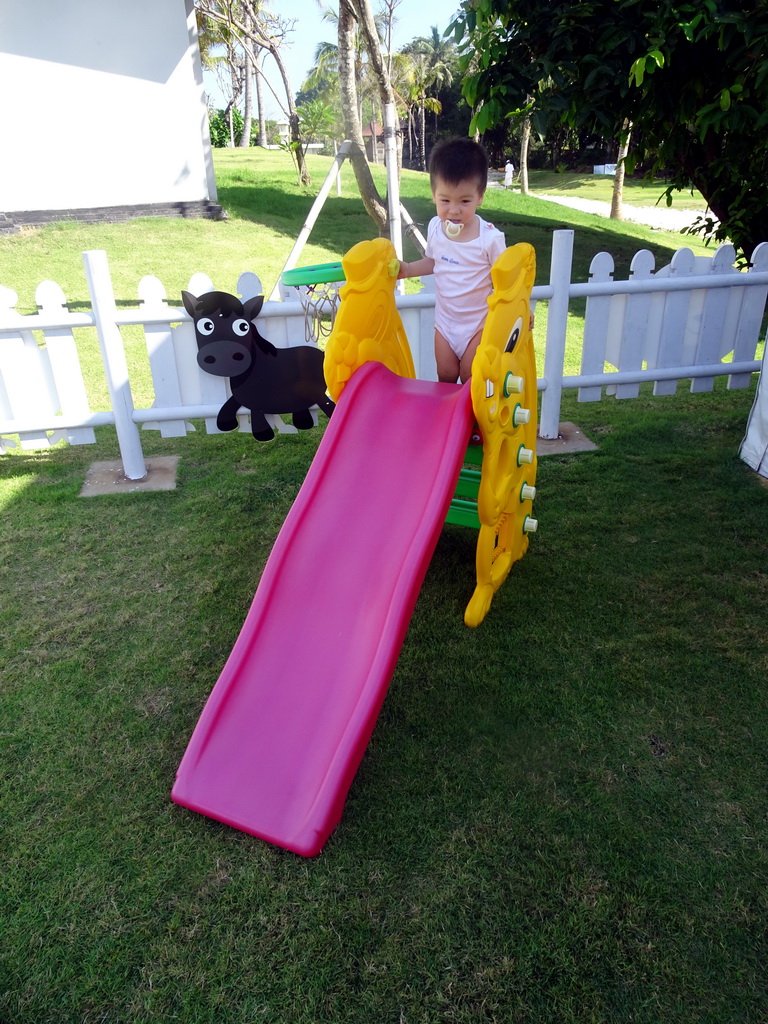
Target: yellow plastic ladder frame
x,y
504,398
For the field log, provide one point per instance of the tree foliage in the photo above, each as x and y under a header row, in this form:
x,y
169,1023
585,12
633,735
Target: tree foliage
x,y
256,29
692,78
219,124
322,80
432,60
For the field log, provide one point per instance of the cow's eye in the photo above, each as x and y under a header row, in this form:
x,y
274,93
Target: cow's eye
x,y
205,326
241,327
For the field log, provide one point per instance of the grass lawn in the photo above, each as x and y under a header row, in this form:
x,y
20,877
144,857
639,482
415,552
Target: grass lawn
x,y
266,211
637,191
561,816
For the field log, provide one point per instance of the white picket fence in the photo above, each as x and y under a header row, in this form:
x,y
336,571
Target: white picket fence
x,y
681,321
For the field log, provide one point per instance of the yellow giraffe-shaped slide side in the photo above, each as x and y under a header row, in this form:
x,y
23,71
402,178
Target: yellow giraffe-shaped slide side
x,y
368,326
504,399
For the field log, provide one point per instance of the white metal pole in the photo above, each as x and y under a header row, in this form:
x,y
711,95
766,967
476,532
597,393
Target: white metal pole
x,y
393,184
115,365
412,230
557,320
312,216
338,168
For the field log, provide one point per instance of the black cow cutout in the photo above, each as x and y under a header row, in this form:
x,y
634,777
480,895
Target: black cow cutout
x,y
264,379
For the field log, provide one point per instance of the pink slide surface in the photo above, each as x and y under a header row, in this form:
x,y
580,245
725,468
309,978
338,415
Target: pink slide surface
x,y
284,730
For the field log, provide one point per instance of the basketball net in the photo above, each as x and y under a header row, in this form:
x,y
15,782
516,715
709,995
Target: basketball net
x,y
320,302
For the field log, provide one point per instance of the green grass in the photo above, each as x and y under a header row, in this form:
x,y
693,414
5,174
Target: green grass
x,y
561,816
266,211
637,191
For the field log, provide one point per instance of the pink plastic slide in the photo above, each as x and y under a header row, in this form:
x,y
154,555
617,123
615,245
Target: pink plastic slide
x,y
285,728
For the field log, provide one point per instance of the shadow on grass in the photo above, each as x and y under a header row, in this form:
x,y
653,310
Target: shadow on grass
x,y
284,212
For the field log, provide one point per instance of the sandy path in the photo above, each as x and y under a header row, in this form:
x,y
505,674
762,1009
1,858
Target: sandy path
x,y
662,217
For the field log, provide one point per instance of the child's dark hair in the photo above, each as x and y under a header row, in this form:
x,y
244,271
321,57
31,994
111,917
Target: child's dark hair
x,y
455,160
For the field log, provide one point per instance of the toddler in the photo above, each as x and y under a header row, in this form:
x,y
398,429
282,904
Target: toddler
x,y
461,249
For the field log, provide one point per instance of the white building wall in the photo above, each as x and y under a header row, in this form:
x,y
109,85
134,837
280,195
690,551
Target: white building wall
x,y
102,105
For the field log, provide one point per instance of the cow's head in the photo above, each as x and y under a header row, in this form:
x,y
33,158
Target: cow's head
x,y
224,332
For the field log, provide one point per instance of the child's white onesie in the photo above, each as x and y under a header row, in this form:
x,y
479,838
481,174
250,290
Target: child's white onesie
x,y
462,280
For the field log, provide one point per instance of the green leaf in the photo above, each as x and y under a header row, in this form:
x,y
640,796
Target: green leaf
x,y
637,71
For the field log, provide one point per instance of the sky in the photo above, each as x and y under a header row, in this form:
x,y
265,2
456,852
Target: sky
x,y
413,18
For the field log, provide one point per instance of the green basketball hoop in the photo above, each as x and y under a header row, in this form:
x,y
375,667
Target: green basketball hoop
x,y
317,288
319,273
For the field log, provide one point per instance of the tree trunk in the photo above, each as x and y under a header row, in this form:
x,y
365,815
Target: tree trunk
x,y
422,136
235,93
260,110
245,139
555,149
525,138
362,10
617,198
253,35
293,118
372,201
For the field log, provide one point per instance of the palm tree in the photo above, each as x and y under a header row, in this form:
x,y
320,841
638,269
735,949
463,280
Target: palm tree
x,y
262,137
421,80
441,56
402,77
433,60
248,70
324,75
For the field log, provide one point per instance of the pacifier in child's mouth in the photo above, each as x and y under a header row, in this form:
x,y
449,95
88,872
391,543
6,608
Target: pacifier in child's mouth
x,y
451,229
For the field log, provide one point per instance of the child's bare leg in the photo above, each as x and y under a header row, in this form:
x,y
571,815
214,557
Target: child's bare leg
x,y
465,367
448,366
